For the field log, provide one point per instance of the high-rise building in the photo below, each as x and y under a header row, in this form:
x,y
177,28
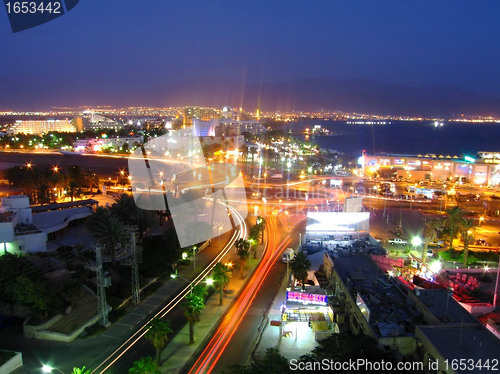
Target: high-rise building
x,y
203,114
42,126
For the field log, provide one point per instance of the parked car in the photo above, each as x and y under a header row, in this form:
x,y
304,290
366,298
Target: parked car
x,y
438,244
397,241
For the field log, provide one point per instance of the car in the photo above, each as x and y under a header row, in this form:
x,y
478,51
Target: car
x,y
397,241
288,255
438,244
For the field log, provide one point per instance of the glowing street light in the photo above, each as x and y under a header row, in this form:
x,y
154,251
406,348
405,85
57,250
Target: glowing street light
x,y
56,169
49,369
435,267
209,281
416,241
28,165
481,219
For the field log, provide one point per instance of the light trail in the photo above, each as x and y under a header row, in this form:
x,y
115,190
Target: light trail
x,y
210,356
129,343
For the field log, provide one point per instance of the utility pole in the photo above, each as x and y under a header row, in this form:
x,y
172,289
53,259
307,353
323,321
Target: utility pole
x,y
136,288
102,282
132,260
496,285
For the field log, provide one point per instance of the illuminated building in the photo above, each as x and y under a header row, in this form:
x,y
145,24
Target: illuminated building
x,y
25,228
479,171
42,126
203,114
232,128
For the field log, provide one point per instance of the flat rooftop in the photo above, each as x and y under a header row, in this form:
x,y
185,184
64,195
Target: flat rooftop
x,y
462,341
442,305
390,314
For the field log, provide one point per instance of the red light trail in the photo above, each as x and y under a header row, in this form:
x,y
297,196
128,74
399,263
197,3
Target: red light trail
x,y
210,356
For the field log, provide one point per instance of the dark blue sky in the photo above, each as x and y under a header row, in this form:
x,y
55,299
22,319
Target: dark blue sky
x,y
103,48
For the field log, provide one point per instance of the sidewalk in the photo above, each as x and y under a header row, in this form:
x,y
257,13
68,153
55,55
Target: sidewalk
x,y
92,350
300,341
178,352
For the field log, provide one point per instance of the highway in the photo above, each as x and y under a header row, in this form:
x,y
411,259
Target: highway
x,y
233,340
122,350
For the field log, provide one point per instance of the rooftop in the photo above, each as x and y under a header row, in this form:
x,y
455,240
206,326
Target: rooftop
x,y
463,341
390,314
57,206
442,305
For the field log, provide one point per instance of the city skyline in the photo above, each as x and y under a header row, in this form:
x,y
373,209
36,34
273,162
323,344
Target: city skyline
x,y
214,54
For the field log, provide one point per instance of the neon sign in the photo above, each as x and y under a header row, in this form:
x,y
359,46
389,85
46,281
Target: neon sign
x,y
306,298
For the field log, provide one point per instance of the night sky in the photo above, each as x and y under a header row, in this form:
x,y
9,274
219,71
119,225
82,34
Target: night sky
x,y
118,52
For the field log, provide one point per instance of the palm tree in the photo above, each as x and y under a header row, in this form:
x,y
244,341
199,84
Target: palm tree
x,y
467,233
261,221
82,370
300,266
73,190
131,214
253,239
107,228
430,234
157,335
145,365
242,250
221,274
195,303
453,222
92,180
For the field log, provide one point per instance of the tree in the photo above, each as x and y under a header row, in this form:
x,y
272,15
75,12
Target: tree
x,y
430,234
467,232
82,370
221,274
157,335
242,250
253,239
273,362
72,289
107,228
453,222
92,180
145,365
261,221
195,303
126,208
32,294
300,266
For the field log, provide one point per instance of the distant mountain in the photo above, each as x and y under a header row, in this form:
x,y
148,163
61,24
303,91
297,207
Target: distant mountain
x,y
354,95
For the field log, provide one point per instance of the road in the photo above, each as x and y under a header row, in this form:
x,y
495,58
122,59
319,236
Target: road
x,y
114,350
234,339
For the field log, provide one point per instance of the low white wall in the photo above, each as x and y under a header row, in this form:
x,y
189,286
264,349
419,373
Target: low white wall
x,y
14,363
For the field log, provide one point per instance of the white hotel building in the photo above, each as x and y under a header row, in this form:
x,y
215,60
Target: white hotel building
x,y
483,170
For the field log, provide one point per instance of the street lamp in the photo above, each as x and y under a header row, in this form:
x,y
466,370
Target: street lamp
x,y
176,274
416,241
481,219
496,284
49,369
220,230
194,257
